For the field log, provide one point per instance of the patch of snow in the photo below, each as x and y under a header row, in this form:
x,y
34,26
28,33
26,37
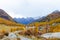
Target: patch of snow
x,y
51,35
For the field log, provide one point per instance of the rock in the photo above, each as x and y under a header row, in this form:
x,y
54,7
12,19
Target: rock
x,y
7,38
12,35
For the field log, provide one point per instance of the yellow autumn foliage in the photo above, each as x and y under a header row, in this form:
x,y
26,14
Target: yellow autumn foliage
x,y
53,28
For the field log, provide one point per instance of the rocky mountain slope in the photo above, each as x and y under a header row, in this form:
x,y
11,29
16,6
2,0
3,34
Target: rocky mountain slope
x,y
4,15
51,16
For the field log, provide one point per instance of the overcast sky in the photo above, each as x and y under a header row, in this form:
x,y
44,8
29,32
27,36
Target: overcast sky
x,y
29,8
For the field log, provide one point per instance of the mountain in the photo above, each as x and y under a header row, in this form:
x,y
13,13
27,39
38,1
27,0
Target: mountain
x,y
24,20
4,15
52,16
6,19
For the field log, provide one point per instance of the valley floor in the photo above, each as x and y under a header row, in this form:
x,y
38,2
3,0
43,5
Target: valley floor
x,y
47,36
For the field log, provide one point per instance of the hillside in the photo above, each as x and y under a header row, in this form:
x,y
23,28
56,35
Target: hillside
x,y
10,26
7,22
50,23
4,15
51,16
7,19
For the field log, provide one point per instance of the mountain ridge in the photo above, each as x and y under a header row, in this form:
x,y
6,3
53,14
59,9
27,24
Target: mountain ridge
x,y
5,15
24,20
54,15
